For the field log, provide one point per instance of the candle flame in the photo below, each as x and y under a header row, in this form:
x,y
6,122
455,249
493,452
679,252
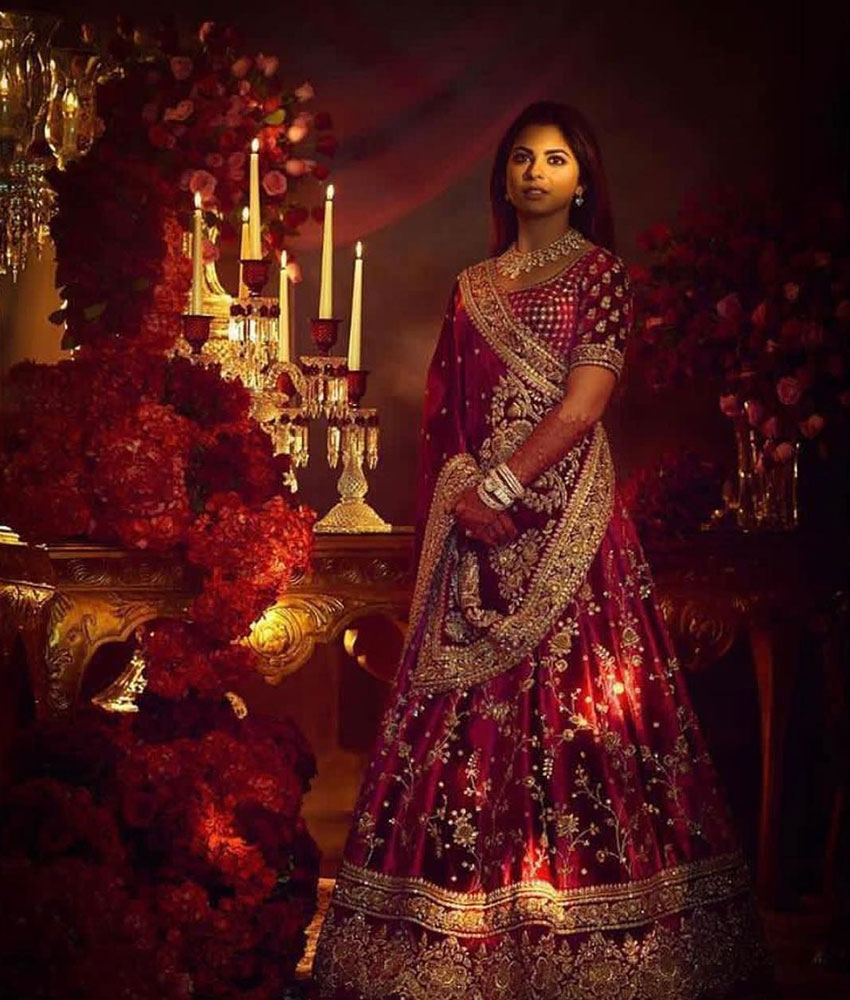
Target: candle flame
x,y
255,145
245,213
330,192
283,260
358,249
197,199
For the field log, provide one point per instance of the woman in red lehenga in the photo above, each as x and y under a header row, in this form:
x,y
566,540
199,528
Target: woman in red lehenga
x,y
540,820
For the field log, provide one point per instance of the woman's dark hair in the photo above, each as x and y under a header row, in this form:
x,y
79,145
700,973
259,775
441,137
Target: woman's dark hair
x,y
592,218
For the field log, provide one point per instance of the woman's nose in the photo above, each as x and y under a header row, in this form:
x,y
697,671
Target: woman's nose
x,y
532,169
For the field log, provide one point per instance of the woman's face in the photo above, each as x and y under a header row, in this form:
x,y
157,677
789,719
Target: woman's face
x,y
542,172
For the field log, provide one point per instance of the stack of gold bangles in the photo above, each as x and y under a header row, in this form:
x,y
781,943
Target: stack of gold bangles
x,y
500,487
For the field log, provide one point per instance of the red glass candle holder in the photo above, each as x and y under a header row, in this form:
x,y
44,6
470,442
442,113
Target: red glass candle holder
x,y
255,274
196,330
356,386
285,385
324,333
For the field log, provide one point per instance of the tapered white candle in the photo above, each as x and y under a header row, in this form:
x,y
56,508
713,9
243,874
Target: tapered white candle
x,y
244,252
197,257
283,349
326,293
356,311
254,202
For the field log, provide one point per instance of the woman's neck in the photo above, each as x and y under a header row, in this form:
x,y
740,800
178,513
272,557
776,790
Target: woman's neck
x,y
536,232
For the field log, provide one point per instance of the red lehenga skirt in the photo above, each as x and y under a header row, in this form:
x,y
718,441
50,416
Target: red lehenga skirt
x,y
547,826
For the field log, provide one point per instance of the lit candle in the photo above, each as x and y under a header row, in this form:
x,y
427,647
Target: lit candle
x,y
197,257
254,201
356,311
283,350
326,292
244,253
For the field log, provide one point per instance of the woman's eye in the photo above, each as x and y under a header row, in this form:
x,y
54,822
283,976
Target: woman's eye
x,y
557,161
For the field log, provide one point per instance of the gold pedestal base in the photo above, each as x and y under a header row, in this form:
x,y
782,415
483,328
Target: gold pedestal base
x,y
352,517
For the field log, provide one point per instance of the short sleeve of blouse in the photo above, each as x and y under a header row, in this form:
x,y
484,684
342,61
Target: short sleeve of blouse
x,y
604,314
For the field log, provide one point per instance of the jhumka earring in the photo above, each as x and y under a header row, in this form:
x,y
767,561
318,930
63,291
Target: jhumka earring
x,y
579,199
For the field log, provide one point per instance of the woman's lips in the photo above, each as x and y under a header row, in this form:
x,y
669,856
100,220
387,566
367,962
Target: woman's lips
x,y
534,193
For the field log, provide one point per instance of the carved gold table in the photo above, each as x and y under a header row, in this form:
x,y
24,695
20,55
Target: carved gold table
x,y
66,601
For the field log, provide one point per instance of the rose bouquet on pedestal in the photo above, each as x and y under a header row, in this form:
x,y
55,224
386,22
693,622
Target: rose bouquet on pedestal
x,y
756,299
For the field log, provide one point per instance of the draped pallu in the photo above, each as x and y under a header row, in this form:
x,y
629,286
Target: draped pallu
x,y
540,818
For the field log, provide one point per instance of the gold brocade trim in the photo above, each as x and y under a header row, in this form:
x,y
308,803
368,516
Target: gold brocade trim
x,y
704,953
563,911
603,355
563,567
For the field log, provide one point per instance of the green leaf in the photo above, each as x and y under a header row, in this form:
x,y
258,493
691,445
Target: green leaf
x,y
275,118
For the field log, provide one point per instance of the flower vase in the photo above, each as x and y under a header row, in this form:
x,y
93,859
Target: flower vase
x,y
766,490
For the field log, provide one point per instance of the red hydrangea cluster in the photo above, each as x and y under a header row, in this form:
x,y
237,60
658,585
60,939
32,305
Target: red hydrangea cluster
x,y
162,855
162,866
755,298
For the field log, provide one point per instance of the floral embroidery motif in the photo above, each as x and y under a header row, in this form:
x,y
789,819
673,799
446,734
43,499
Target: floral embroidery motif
x,y
704,952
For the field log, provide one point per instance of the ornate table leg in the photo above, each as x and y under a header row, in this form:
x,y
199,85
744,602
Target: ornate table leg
x,y
81,621
775,650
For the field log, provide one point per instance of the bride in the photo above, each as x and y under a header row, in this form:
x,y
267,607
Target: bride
x,y
540,819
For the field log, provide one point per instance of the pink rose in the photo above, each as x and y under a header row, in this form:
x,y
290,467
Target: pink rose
x,y
241,67
783,452
203,182
150,113
214,160
296,132
792,291
295,167
729,405
770,428
205,31
244,88
181,67
754,411
274,183
305,92
236,166
185,179
812,426
788,390
729,307
179,113
268,64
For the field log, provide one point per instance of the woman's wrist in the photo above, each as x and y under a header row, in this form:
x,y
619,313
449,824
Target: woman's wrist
x,y
500,487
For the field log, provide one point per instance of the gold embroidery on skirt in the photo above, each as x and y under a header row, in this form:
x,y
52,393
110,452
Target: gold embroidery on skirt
x,y
617,906
703,953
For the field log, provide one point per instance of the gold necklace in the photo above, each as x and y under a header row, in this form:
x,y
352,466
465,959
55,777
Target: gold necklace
x,y
514,262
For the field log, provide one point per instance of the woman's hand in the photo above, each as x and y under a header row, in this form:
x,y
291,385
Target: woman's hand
x,y
476,520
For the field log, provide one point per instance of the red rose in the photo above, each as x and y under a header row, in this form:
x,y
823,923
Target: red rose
x,y
788,390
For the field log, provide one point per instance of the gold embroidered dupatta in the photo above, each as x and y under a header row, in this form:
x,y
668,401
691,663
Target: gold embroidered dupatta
x,y
565,512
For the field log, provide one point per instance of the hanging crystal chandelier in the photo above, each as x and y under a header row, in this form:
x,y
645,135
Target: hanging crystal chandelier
x,y
26,200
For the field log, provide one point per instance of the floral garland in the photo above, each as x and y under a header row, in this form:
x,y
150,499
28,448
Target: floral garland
x,y
756,299
161,854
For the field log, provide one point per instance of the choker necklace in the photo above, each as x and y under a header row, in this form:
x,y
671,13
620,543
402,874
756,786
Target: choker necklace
x,y
514,262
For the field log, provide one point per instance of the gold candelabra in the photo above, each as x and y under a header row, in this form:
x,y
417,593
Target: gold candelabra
x,y
288,396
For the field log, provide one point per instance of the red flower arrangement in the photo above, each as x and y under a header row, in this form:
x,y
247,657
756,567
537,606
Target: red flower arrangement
x,y
756,299
162,854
